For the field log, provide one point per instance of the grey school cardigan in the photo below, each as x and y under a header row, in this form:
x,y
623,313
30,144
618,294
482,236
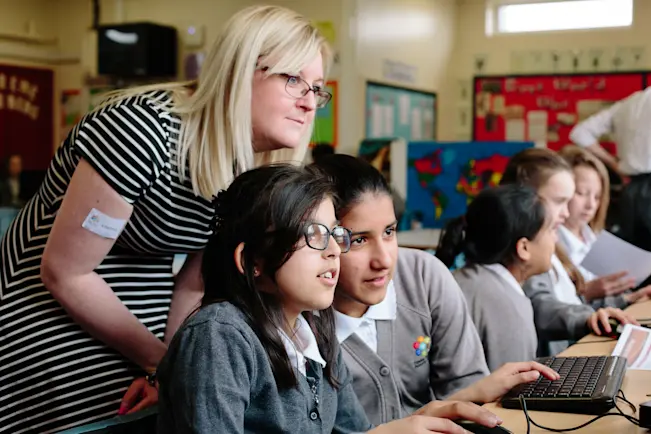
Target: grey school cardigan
x,y
395,381
557,323
216,378
504,318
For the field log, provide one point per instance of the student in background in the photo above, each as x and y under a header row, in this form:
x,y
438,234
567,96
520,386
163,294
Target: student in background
x,y
559,311
401,319
587,217
506,236
628,122
260,355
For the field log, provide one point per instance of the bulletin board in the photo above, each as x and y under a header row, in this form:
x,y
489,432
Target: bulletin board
x,y
544,108
326,128
393,111
27,115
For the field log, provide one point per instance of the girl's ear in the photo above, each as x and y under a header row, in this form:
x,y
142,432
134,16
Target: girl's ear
x,y
239,261
239,258
522,249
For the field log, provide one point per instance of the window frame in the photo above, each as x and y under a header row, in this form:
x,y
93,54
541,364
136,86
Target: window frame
x,y
492,18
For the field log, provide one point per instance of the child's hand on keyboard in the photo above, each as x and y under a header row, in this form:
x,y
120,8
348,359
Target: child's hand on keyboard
x,y
491,388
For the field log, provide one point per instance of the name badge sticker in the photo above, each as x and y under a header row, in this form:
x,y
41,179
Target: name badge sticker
x,y
105,226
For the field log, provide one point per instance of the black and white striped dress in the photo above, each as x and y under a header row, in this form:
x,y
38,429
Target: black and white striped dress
x,y
53,375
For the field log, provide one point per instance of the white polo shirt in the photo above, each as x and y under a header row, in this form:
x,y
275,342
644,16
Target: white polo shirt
x,y
365,326
628,123
578,249
302,345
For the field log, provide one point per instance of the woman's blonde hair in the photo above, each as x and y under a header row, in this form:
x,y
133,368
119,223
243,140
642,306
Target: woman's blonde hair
x,y
579,157
216,137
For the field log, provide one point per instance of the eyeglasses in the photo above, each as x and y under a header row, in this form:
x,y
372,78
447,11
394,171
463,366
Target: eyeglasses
x,y
298,88
317,237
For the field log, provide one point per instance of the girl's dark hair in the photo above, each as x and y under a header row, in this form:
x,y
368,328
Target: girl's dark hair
x,y
496,219
352,177
266,209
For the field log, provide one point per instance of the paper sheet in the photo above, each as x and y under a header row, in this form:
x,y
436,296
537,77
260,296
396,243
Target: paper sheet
x,y
404,104
610,254
388,121
416,124
635,344
377,118
515,130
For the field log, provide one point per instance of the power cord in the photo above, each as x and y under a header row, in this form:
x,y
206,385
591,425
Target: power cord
x,y
620,413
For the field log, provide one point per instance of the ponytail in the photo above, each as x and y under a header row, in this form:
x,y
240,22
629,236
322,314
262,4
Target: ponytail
x,y
452,241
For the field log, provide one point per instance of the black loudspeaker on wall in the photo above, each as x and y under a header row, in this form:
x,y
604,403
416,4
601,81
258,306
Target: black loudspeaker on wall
x,y
137,50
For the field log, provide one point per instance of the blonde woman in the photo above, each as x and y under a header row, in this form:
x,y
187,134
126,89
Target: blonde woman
x,y
586,218
88,302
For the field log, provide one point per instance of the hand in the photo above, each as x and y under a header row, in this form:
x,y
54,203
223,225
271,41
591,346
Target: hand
x,y
611,284
420,425
602,315
642,294
139,396
497,384
459,410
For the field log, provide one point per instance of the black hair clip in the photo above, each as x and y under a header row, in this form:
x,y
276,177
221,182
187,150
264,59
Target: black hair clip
x,y
218,202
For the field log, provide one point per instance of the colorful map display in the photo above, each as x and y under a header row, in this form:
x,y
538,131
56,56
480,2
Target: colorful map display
x,y
442,178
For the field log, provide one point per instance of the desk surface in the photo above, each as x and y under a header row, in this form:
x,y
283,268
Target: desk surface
x,y
419,238
636,386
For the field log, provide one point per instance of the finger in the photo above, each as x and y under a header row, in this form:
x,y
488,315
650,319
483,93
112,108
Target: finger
x,y
603,320
593,323
546,371
467,411
621,286
616,276
130,397
623,317
521,367
144,403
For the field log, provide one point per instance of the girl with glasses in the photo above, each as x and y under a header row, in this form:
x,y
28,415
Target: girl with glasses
x,y
404,328
260,355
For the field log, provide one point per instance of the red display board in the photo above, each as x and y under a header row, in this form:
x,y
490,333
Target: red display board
x,y
544,108
26,115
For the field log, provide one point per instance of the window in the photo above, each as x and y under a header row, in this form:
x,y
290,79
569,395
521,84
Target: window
x,y
512,16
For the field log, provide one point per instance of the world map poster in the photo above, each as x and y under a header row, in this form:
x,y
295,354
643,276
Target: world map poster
x,y
442,178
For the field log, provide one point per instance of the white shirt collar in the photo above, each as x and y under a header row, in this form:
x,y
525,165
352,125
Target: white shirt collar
x,y
385,310
576,248
505,274
303,346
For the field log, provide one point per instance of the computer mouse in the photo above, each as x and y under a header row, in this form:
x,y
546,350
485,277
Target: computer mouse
x,y
476,428
615,326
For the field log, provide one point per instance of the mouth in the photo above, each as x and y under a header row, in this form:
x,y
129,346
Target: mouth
x,y
298,121
328,277
378,282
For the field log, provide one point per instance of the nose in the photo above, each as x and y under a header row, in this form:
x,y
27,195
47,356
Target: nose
x,y
381,256
564,212
333,250
308,101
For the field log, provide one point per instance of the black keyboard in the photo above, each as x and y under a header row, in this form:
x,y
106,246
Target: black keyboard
x,y
588,385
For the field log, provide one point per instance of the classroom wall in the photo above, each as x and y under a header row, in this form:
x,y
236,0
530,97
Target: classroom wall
x,y
419,33
416,32
471,40
15,16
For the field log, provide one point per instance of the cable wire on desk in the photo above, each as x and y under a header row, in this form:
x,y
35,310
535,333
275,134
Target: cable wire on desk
x,y
530,421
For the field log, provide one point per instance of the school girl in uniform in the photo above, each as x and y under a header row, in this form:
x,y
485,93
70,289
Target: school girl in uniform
x,y
587,217
403,324
559,312
261,355
507,236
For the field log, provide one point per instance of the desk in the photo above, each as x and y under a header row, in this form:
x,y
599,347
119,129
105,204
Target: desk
x,y
636,385
423,239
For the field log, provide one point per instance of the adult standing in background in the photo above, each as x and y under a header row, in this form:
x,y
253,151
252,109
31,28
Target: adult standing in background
x,y
11,191
629,122
88,301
